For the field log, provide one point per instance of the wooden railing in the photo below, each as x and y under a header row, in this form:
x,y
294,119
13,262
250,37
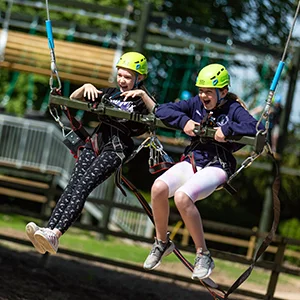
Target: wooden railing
x,y
249,242
29,184
76,62
275,266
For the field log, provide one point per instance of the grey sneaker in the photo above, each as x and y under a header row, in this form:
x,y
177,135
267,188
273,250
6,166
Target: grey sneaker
x,y
203,266
47,239
158,251
31,228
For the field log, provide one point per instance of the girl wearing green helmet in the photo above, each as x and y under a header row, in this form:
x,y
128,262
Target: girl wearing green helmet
x,y
109,146
205,164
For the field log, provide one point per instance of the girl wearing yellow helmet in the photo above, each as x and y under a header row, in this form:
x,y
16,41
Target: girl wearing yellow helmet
x,y
205,165
110,145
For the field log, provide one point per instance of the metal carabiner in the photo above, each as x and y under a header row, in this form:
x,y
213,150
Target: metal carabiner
x,y
52,88
156,144
151,160
249,160
57,119
245,164
146,142
54,72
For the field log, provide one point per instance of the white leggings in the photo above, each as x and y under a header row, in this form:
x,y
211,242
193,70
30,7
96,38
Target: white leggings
x,y
197,186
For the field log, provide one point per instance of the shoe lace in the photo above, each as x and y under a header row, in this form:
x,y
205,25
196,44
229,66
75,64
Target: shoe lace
x,y
202,260
158,247
50,235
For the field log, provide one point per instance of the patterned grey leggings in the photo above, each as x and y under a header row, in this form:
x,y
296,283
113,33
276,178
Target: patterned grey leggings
x,y
89,171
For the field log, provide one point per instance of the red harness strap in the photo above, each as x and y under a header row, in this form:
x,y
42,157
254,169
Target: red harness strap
x,y
75,139
162,166
192,160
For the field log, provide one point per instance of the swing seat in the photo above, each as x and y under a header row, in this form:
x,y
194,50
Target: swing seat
x,y
228,188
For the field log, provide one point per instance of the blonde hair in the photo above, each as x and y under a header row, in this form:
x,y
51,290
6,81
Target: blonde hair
x,y
233,97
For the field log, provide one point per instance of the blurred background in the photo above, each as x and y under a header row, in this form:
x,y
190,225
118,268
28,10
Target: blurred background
x,y
178,38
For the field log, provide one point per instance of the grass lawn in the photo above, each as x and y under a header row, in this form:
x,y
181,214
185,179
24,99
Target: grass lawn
x,y
119,249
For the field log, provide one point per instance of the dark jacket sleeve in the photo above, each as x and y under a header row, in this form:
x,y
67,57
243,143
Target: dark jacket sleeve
x,y
241,123
174,114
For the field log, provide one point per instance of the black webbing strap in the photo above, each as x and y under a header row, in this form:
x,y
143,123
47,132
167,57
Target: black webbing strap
x,y
208,283
268,239
76,126
229,189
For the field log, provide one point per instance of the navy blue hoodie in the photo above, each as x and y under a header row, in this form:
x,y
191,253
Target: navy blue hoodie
x,y
231,117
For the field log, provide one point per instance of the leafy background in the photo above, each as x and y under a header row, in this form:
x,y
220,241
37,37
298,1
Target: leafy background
x,y
249,24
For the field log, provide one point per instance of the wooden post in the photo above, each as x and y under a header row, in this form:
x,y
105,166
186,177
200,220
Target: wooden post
x,y
175,229
50,194
251,245
142,28
185,237
276,269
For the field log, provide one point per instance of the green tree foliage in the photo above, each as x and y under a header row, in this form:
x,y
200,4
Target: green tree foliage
x,y
260,22
291,228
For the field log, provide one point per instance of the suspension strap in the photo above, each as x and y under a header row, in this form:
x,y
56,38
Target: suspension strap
x,y
266,110
213,288
209,284
77,135
268,239
54,71
245,164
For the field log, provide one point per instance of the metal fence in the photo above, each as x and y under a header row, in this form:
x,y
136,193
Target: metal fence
x,y
38,144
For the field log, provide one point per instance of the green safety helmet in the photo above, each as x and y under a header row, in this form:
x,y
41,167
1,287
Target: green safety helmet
x,y
134,61
213,76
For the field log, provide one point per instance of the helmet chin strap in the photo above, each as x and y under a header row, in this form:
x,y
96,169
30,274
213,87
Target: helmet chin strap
x,y
220,101
218,97
136,82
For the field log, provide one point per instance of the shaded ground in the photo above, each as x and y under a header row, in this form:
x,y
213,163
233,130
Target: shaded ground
x,y
24,275
63,279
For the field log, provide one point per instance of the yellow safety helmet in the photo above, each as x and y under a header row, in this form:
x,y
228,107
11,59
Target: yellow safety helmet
x,y
213,76
134,61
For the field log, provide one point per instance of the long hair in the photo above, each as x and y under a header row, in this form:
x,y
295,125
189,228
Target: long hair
x,y
233,97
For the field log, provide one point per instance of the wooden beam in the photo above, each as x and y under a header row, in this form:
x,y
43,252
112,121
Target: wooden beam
x,y
23,195
26,182
76,62
62,75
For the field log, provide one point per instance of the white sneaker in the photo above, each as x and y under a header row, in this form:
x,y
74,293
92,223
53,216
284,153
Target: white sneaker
x,y
204,265
31,228
158,251
47,239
